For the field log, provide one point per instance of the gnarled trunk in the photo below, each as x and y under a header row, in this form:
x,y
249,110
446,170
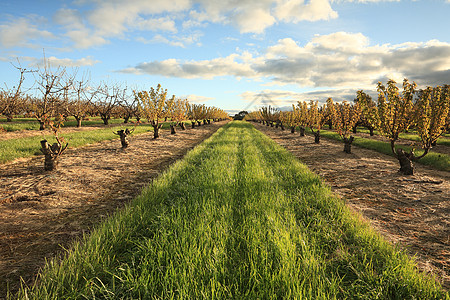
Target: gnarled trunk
x,y
105,119
172,129
317,137
78,121
406,164
302,131
182,126
292,129
123,134
348,144
193,124
50,154
156,130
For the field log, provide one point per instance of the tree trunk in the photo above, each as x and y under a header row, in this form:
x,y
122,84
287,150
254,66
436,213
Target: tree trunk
x,y
50,161
123,134
105,119
172,129
193,124
205,122
282,126
78,121
354,129
317,137
41,125
156,131
199,123
126,119
348,144
371,131
406,164
302,131
292,129
182,126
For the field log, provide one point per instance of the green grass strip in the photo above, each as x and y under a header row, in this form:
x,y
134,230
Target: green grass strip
x,y
24,147
32,124
436,160
238,218
413,136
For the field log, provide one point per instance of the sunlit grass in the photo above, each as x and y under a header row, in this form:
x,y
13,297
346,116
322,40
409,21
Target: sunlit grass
x,y
32,124
238,218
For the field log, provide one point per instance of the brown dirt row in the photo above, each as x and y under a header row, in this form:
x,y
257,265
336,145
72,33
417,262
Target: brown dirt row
x,y
41,213
410,211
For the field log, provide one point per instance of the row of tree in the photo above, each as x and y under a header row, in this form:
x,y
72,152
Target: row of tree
x,y
58,93
425,110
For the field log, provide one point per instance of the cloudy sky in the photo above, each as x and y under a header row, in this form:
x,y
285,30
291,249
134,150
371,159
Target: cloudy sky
x,y
233,54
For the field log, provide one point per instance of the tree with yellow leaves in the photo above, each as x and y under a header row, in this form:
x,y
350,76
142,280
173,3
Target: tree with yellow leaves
x,y
178,114
344,117
396,113
155,106
315,120
301,116
288,118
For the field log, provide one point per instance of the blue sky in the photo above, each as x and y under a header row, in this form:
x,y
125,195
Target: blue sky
x,y
233,54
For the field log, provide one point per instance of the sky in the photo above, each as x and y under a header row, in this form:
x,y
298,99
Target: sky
x,y
233,54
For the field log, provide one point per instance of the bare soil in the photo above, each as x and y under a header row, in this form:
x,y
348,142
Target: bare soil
x,y
410,211
43,213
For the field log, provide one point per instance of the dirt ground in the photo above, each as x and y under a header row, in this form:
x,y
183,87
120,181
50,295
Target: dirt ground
x,y
411,211
42,213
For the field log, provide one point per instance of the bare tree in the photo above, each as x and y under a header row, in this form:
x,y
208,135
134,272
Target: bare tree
x,y
104,100
12,100
76,103
52,83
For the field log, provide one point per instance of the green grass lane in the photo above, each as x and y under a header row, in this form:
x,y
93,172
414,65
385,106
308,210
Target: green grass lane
x,y
238,218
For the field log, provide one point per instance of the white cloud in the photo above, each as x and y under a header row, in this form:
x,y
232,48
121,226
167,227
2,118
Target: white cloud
x,y
197,98
254,16
178,41
297,10
21,32
207,69
60,62
352,62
